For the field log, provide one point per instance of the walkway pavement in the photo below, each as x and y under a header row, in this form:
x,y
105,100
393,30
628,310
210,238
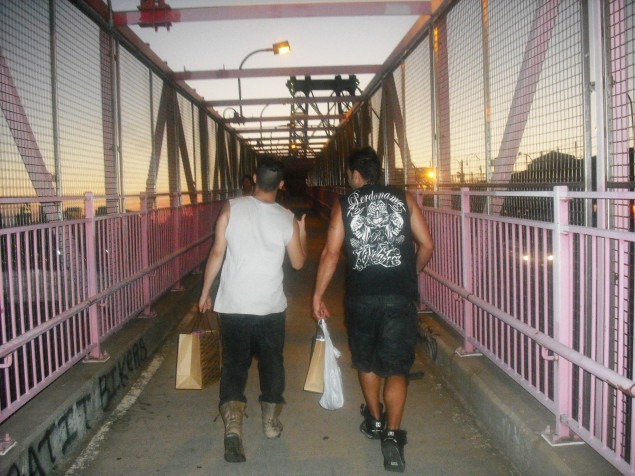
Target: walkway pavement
x,y
152,428
174,432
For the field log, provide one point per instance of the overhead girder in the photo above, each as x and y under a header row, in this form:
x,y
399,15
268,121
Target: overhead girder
x,y
290,100
256,139
282,129
308,85
163,15
296,117
277,72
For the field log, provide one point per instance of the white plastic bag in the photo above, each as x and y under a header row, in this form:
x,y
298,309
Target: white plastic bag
x,y
333,396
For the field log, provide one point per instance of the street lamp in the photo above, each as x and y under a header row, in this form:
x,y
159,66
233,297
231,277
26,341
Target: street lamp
x,y
237,117
280,48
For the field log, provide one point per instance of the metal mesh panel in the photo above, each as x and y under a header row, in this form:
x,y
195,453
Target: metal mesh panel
x,y
136,128
465,72
622,60
79,112
620,176
418,115
536,90
620,173
25,53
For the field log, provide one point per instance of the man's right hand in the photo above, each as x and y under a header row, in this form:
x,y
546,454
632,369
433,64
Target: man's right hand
x,y
204,303
320,310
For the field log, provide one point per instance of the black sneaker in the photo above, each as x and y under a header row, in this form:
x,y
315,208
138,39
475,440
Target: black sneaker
x,y
370,427
392,443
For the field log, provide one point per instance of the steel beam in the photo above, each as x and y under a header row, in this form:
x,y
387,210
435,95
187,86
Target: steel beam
x,y
289,118
290,100
273,72
164,17
282,129
320,137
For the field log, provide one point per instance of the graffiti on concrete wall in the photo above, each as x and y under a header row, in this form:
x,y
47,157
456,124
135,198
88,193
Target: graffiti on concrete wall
x,y
59,438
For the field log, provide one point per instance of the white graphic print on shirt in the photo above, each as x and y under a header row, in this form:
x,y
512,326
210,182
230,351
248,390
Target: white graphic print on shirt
x,y
376,223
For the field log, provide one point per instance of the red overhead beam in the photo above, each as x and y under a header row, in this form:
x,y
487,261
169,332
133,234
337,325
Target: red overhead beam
x,y
291,10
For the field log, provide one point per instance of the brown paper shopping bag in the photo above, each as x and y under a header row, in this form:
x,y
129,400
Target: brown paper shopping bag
x,y
198,358
315,376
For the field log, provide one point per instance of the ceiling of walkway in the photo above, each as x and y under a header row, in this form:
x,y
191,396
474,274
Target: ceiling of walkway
x,y
339,52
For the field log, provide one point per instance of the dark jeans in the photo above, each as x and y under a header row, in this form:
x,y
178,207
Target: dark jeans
x,y
245,336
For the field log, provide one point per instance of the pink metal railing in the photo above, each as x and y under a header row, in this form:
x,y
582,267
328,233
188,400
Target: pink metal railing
x,y
551,304
66,286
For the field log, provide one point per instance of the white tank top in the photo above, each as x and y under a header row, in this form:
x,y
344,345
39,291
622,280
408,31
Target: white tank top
x,y
251,279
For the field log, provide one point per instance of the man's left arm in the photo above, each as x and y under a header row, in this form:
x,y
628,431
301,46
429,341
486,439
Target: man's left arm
x,y
215,259
296,249
420,233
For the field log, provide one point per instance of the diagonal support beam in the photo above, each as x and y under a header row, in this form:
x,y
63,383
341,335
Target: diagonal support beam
x,y
108,123
20,127
397,119
185,157
159,131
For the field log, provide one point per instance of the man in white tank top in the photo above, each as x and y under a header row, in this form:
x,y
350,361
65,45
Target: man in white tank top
x,y
252,235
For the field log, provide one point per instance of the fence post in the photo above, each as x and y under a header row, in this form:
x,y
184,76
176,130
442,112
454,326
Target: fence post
x,y
91,281
562,316
145,258
468,348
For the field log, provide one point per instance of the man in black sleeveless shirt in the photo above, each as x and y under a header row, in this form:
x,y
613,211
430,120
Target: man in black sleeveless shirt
x,y
387,242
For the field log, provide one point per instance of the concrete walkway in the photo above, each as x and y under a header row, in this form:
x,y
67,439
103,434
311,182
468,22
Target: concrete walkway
x,y
175,432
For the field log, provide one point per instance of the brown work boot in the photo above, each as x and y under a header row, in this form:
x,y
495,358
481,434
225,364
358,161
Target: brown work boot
x,y
232,413
271,425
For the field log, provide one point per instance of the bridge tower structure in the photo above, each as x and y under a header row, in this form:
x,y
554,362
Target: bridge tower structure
x,y
340,89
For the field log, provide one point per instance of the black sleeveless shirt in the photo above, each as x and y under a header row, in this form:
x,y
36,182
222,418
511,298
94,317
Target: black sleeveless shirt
x,y
379,247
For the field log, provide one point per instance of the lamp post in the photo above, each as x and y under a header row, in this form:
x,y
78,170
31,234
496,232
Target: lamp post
x,y
263,110
279,48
